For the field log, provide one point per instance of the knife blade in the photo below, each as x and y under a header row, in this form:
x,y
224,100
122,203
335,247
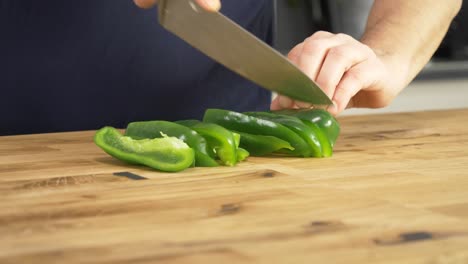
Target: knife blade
x,y
224,41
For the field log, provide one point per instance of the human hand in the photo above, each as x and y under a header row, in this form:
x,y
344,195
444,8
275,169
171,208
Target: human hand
x,y
210,5
348,71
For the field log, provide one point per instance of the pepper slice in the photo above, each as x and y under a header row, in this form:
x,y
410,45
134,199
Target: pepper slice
x,y
296,125
259,145
166,154
243,123
322,118
154,129
242,154
219,138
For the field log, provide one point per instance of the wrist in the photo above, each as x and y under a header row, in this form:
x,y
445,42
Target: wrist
x,y
398,68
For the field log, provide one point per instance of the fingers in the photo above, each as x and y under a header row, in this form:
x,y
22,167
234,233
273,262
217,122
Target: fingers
x,y
294,54
314,51
325,57
281,102
359,77
145,3
338,61
284,102
209,5
299,55
275,104
297,50
300,104
343,67
303,55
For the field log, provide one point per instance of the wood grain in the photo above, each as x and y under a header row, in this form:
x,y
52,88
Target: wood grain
x,y
396,191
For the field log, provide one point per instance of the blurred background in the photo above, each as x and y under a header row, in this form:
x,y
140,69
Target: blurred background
x,y
443,83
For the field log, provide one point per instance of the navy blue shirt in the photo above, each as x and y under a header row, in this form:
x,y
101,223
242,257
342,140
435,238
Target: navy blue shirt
x,y
79,65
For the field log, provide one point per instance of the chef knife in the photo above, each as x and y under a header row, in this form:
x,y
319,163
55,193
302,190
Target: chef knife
x,y
237,49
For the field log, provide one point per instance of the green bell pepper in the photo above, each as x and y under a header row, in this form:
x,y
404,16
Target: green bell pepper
x,y
259,145
242,154
166,154
221,140
322,118
296,125
204,157
248,124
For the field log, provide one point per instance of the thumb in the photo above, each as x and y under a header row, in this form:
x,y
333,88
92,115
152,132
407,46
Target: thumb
x,y
209,5
145,3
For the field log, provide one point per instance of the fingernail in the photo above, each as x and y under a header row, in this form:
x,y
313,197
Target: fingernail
x,y
303,105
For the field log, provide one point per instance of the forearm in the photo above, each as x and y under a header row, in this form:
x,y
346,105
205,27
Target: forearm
x,y
407,33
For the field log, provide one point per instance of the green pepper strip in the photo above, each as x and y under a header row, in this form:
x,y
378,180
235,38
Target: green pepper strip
x,y
248,124
322,118
259,145
296,125
242,154
219,138
236,138
166,154
156,129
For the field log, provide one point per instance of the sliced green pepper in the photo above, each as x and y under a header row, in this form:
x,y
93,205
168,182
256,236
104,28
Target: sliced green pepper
x,y
204,157
322,118
236,138
219,138
166,154
296,125
248,124
259,145
242,154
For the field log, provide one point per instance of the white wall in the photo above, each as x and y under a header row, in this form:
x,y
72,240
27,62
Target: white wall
x,y
425,95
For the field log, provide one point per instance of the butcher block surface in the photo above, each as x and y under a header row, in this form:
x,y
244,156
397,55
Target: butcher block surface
x,y
395,191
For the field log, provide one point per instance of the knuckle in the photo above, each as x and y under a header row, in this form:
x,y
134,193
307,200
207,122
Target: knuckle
x,y
320,34
313,46
340,52
293,54
355,76
344,37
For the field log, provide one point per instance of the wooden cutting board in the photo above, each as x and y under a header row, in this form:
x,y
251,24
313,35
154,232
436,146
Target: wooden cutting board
x,y
396,191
